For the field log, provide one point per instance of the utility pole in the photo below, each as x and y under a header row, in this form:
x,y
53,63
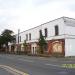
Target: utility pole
x,y
18,49
18,35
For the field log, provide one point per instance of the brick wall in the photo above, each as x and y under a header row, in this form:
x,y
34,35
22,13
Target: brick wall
x,y
56,46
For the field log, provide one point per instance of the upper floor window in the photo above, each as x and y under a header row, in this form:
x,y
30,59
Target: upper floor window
x,y
29,36
46,32
40,32
26,37
56,30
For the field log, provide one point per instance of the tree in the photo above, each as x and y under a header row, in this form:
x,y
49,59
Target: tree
x,y
25,46
42,43
6,37
1,41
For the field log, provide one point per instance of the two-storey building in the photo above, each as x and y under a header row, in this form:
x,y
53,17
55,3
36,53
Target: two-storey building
x,y
59,34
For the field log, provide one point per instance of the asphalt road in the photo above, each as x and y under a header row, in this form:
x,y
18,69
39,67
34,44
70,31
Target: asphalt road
x,y
21,64
4,72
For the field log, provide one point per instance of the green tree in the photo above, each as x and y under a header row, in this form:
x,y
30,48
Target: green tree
x,y
25,46
6,37
42,43
1,41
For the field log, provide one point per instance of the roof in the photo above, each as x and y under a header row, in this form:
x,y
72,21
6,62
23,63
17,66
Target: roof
x,y
66,20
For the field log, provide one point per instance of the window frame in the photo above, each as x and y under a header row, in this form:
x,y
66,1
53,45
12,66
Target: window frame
x,y
56,30
40,31
46,32
29,36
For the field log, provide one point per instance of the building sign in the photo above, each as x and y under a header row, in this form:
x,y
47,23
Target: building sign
x,y
57,47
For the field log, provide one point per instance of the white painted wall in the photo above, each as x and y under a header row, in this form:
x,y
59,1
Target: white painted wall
x,y
69,47
50,27
69,26
69,30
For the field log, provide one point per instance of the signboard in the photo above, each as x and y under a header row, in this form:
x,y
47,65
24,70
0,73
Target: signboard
x,y
57,47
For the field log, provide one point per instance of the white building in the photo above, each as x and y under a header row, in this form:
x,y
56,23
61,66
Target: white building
x,y
59,33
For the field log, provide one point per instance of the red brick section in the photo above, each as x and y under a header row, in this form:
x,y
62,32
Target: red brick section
x,y
50,45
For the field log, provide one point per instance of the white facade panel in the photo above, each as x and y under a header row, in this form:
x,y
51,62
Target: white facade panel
x,y
69,47
34,35
35,32
69,30
51,27
69,21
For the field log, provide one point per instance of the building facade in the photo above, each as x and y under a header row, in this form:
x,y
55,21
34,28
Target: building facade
x,y
59,35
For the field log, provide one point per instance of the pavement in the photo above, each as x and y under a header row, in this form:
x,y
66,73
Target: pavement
x,y
31,65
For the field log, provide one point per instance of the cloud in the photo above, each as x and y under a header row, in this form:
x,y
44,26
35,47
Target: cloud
x,y
11,4
67,4
40,2
25,14
71,7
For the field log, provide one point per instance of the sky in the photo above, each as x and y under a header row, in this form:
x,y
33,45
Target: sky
x,y
26,14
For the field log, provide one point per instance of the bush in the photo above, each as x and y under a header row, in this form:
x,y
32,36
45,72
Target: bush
x,y
57,55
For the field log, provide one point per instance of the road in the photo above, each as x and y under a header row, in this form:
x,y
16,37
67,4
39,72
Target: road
x,y
29,65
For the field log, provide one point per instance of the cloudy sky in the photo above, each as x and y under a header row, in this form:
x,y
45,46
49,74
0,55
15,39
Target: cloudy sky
x,y
25,14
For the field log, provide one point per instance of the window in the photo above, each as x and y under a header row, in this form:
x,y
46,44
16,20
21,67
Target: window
x,y
40,32
33,50
46,32
56,30
29,36
20,38
26,37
